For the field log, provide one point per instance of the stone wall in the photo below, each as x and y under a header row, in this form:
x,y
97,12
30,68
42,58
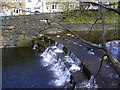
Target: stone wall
x,y
1,33
20,30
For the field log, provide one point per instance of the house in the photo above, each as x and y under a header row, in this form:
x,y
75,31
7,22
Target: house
x,y
12,7
48,6
22,7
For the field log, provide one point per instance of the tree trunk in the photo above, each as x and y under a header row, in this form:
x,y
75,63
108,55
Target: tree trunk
x,y
119,7
115,63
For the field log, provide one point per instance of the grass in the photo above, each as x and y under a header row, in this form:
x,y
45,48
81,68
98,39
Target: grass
x,y
96,36
89,17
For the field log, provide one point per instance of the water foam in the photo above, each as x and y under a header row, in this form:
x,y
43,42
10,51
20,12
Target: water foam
x,y
62,72
57,66
89,84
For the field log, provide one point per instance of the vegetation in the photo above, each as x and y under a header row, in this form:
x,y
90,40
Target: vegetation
x,y
89,17
95,36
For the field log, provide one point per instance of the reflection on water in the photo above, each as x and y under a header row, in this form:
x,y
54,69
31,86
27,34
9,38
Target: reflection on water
x,y
22,69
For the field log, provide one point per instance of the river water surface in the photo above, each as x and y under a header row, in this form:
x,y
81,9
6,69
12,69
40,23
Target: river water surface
x,y
22,69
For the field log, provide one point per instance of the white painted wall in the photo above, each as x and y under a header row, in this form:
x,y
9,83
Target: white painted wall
x,y
34,5
44,8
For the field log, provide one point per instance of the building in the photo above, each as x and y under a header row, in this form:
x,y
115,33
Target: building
x,y
12,7
22,7
47,6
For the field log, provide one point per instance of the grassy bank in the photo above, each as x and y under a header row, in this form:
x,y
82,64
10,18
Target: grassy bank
x,y
96,36
89,17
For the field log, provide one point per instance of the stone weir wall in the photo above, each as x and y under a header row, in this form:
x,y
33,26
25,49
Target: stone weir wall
x,y
20,30
78,75
82,61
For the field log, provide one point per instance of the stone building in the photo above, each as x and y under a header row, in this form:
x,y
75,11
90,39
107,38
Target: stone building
x,y
49,6
12,7
22,7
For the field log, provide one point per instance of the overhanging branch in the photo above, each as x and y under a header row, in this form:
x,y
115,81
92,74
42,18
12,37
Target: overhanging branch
x,y
67,29
103,6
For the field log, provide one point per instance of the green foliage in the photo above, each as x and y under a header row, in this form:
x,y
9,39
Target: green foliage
x,y
96,36
24,44
111,17
89,17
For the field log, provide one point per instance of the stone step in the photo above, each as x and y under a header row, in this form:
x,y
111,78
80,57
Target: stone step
x,y
92,62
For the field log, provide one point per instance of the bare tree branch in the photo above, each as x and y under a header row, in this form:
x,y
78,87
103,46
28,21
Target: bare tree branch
x,y
111,34
93,25
67,29
100,65
115,63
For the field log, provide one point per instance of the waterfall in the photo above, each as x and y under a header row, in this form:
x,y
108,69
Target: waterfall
x,y
89,83
60,46
62,67
35,46
55,64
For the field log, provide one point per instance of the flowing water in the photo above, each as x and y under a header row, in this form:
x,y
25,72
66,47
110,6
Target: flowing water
x,y
63,67
27,68
22,69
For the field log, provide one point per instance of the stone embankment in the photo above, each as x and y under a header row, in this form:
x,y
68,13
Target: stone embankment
x,y
20,30
89,57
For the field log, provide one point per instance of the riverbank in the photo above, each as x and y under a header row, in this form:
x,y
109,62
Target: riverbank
x,y
89,17
20,30
76,49
94,37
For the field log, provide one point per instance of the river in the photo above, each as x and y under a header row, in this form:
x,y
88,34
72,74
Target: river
x,y
22,68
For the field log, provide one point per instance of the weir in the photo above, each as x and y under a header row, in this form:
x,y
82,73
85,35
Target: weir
x,y
75,64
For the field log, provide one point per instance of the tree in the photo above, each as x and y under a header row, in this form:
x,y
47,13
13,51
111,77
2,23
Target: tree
x,y
111,59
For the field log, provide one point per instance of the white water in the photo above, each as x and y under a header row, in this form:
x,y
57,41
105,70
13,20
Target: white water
x,y
60,71
91,52
89,84
113,46
35,46
57,66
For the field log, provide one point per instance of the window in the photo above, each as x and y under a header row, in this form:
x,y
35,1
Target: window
x,y
36,7
39,0
71,6
17,11
52,6
16,0
55,6
47,7
29,0
28,9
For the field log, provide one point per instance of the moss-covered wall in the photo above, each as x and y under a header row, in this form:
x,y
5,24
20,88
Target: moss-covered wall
x,y
20,30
